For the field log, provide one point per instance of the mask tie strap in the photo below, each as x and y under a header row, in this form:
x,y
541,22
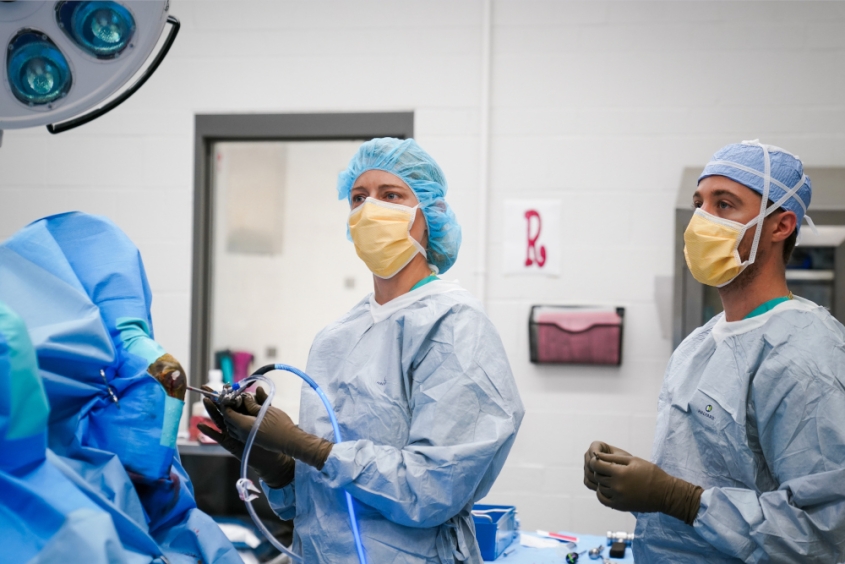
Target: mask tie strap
x,y
750,170
785,198
811,223
809,219
767,171
791,194
414,242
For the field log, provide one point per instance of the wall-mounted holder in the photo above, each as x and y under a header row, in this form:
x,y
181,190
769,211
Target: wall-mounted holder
x,y
576,335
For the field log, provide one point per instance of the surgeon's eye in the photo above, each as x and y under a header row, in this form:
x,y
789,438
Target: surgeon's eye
x,y
358,198
723,205
696,204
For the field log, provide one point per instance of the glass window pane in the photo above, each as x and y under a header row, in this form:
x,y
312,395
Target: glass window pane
x,y
282,267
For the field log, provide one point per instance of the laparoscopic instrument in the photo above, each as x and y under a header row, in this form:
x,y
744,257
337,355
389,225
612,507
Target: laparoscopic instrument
x,y
246,489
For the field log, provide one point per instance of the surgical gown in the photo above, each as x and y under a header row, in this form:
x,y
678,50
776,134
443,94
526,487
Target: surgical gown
x,y
44,516
78,281
753,411
428,410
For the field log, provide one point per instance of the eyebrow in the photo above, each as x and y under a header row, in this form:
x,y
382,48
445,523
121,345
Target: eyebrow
x,y
384,186
719,193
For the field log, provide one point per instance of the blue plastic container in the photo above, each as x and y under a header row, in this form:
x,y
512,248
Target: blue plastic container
x,y
495,528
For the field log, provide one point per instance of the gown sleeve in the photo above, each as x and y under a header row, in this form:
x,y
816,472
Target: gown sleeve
x,y
798,402
465,415
282,501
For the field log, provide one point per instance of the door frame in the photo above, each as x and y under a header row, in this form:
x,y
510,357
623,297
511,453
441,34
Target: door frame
x,y
212,128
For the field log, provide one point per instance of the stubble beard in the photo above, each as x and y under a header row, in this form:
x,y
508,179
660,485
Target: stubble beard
x,y
747,276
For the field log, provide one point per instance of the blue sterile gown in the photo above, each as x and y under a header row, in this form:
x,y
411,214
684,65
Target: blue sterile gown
x,y
753,411
428,410
44,516
79,284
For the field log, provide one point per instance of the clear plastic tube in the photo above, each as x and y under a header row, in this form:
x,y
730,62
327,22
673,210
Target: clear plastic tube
x,y
247,489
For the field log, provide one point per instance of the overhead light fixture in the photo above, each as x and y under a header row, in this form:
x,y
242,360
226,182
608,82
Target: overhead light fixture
x,y
102,29
38,73
63,59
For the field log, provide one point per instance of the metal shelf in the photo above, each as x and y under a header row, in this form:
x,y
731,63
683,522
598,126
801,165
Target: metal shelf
x,y
194,448
809,275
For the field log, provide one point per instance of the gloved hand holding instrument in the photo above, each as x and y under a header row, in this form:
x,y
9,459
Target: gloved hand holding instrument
x,y
276,441
628,483
276,469
170,374
597,446
277,433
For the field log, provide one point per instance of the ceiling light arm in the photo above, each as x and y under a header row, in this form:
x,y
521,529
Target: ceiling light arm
x,y
94,114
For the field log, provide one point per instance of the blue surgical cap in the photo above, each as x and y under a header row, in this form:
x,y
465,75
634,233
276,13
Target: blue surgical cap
x,y
745,163
417,169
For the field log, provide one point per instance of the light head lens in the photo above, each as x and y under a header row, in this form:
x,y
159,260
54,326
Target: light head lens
x,y
38,72
102,29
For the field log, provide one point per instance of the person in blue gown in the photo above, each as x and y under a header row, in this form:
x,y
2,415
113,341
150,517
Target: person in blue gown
x,y
748,462
44,516
418,377
116,396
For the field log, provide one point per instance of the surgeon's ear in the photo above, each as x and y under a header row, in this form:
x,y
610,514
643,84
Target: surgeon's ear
x,y
784,224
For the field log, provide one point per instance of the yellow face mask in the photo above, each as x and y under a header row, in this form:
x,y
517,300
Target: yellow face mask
x,y
712,248
381,232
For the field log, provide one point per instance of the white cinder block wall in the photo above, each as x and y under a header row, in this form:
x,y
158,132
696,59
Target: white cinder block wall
x,y
598,104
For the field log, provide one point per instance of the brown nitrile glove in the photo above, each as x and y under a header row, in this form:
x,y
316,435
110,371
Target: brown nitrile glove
x,y
171,375
278,433
596,447
276,469
629,483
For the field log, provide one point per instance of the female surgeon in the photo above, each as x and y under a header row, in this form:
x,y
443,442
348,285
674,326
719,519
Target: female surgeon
x,y
418,378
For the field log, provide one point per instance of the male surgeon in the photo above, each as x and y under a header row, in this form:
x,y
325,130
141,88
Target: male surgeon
x,y
749,451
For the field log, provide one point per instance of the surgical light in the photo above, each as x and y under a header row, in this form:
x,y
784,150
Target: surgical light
x,y
69,62
38,72
102,29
